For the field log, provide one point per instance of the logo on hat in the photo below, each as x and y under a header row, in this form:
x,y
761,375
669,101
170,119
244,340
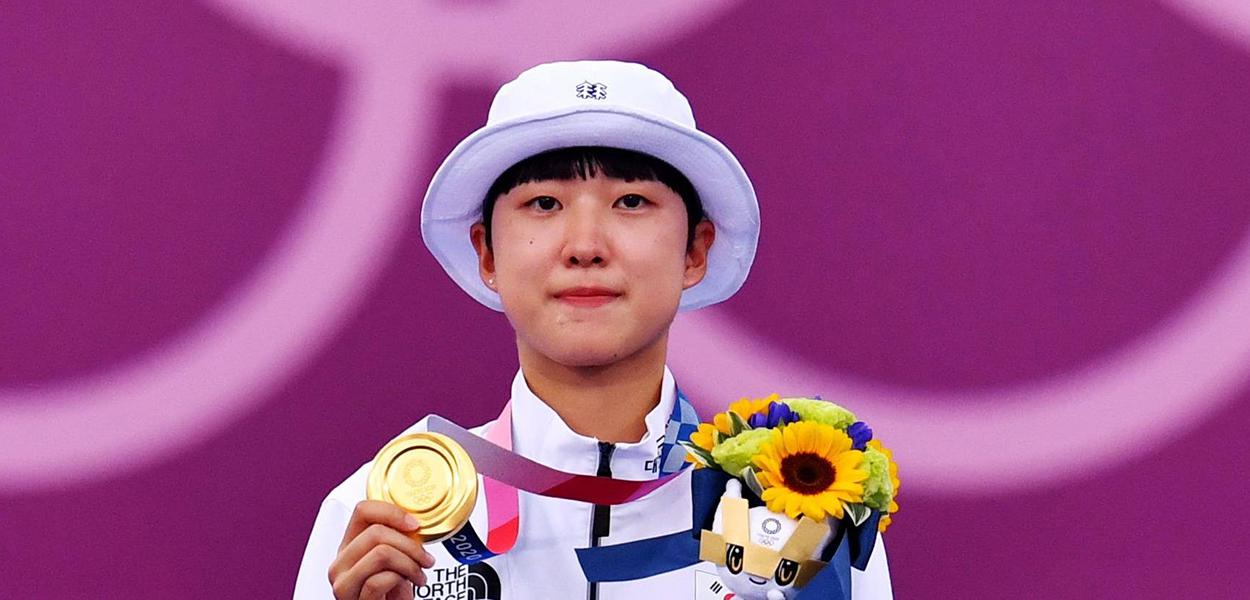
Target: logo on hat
x,y
592,91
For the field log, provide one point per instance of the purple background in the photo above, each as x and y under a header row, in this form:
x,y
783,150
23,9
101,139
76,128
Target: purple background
x,y
956,197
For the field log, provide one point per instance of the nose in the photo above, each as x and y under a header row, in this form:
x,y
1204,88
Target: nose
x,y
576,261
584,244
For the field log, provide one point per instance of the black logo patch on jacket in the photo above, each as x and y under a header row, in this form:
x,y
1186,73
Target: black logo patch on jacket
x,y
461,582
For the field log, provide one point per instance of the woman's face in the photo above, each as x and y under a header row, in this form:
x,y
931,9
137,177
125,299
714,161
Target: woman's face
x,y
591,271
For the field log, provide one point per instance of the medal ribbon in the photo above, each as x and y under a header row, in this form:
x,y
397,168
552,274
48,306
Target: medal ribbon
x,y
504,472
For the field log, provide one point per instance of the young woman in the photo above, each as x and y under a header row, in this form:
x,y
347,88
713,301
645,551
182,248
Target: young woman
x,y
590,211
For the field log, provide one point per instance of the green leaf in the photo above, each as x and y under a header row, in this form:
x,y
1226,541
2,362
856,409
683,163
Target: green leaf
x,y
702,455
857,512
737,424
748,477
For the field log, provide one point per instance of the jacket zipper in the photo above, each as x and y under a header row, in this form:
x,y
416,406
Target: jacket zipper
x,y
601,515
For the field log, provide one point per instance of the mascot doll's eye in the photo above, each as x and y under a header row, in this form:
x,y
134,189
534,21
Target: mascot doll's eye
x,y
733,558
787,570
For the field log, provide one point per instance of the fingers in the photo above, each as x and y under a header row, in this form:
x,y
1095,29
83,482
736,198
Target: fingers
x,y
376,558
369,512
381,570
378,534
380,585
383,585
403,592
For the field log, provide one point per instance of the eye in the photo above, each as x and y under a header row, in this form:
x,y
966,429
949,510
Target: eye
x,y
787,570
733,558
544,203
632,201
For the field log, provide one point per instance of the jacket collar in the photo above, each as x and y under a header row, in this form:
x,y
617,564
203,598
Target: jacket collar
x,y
538,433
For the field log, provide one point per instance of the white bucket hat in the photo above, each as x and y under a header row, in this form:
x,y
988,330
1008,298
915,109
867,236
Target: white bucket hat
x,y
592,103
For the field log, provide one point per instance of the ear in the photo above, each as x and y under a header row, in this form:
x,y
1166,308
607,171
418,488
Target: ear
x,y
696,256
485,256
733,489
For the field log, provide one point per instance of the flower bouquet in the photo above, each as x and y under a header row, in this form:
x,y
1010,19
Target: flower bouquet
x,y
825,484
787,495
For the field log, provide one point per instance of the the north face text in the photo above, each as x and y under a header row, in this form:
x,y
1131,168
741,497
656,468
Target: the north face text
x,y
461,582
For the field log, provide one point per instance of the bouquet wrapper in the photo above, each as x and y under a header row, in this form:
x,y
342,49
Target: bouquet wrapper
x,y
852,547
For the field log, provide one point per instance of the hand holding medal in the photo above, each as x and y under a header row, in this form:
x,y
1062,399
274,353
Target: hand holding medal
x,y
433,476
430,477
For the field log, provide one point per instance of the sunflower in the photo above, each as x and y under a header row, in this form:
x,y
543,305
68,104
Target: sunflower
x,y
745,408
702,440
883,524
704,437
810,468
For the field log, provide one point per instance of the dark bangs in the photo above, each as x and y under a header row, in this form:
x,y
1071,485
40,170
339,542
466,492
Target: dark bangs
x,y
584,162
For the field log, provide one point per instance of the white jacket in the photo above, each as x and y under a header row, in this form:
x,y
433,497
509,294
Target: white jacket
x,y
543,565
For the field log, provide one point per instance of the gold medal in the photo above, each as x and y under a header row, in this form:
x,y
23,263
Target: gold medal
x,y
431,477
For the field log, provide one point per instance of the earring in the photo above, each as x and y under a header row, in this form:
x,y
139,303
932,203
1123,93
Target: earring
x,y
490,282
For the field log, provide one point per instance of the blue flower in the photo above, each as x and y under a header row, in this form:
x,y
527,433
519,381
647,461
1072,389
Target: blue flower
x,y
860,434
779,413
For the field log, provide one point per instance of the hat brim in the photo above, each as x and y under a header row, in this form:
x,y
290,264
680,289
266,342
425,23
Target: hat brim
x,y
453,202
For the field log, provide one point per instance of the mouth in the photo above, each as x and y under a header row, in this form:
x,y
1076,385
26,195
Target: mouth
x,y
587,297
757,581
